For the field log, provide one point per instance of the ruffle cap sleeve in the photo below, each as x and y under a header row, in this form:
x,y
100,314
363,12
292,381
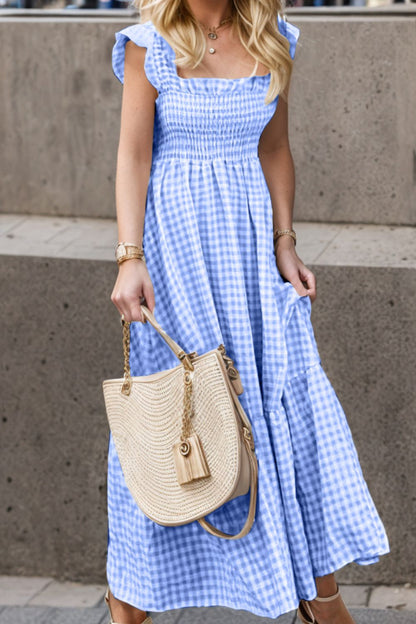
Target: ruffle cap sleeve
x,y
290,31
142,35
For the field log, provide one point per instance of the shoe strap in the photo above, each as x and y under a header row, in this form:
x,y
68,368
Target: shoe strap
x,y
328,598
309,611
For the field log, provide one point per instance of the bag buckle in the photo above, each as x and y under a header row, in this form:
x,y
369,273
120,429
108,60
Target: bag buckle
x,y
186,361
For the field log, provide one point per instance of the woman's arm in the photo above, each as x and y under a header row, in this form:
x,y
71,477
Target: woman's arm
x,y
134,159
278,168
134,156
279,172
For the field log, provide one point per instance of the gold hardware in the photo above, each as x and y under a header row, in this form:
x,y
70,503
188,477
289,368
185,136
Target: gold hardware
x,y
187,405
188,376
184,448
186,361
126,387
233,373
247,435
228,361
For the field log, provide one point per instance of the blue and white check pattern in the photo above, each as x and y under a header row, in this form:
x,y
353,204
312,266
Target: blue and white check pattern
x,y
208,239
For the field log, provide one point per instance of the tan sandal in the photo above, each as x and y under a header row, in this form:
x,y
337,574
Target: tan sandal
x,y
304,611
148,619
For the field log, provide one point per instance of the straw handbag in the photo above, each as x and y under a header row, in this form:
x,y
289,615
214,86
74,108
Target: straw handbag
x,y
184,442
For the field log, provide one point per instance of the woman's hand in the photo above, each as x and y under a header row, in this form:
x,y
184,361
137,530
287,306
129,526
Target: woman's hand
x,y
133,284
292,268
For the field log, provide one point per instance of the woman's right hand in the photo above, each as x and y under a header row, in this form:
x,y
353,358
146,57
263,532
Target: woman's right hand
x,y
133,287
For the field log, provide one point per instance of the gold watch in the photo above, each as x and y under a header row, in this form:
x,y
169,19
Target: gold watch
x,y
125,251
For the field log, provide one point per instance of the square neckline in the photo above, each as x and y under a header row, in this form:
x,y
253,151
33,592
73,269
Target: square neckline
x,y
214,79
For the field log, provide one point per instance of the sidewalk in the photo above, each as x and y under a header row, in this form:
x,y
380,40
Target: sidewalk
x,y
35,600
333,244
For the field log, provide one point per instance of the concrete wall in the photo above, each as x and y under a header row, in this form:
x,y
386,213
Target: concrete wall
x,y
353,118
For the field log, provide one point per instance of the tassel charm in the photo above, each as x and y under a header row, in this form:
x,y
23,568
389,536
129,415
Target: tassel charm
x,y
190,460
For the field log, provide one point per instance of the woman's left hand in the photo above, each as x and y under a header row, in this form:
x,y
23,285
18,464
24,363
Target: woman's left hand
x,y
292,268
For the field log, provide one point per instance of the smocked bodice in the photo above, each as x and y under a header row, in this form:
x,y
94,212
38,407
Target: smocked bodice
x,y
230,127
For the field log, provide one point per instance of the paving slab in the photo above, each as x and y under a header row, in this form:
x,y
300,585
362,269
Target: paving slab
x,y
371,245
86,252
207,615
382,616
386,597
99,615
45,615
83,232
9,221
355,595
39,228
18,590
314,238
68,594
67,237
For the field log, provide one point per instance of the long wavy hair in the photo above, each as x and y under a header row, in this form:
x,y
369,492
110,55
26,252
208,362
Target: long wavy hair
x,y
255,22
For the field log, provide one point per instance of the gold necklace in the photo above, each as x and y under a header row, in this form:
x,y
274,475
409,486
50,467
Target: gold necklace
x,y
212,34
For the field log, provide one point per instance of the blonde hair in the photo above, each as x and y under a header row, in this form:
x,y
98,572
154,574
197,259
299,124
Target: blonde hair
x,y
255,22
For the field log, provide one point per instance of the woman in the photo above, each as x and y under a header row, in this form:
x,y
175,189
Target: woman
x,y
205,187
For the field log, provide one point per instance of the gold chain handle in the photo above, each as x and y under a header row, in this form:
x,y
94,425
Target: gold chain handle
x,y
188,374
126,387
184,358
187,411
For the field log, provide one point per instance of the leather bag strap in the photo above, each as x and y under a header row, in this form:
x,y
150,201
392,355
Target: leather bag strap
x,y
248,440
178,351
252,507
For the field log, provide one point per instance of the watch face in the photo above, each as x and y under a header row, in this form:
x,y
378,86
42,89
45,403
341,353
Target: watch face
x,y
121,250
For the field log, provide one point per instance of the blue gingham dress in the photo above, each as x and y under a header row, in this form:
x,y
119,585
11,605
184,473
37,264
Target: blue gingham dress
x,y
208,241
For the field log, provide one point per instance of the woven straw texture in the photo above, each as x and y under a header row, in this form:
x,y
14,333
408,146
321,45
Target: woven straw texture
x,y
146,424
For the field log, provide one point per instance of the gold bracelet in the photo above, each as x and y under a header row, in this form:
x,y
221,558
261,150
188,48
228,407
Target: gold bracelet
x,y
131,255
279,233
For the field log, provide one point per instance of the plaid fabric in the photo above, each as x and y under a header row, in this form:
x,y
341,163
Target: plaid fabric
x,y
208,239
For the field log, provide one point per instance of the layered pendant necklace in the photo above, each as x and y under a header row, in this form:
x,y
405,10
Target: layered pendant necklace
x,y
212,31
